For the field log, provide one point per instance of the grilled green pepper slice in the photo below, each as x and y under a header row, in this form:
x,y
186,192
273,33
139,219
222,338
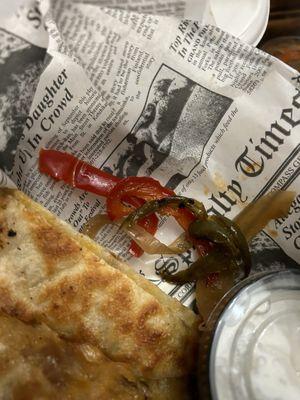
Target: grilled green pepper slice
x,y
215,261
175,202
222,231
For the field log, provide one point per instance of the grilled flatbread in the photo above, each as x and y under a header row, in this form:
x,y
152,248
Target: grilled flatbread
x,y
51,274
36,364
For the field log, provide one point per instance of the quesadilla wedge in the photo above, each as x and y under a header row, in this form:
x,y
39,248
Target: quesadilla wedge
x,y
51,274
36,364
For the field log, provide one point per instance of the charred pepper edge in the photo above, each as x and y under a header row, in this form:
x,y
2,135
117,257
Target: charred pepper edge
x,y
153,206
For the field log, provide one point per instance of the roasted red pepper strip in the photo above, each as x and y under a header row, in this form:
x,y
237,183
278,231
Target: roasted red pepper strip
x,y
133,190
145,188
75,172
141,187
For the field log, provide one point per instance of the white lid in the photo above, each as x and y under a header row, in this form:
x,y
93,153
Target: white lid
x,y
255,351
246,19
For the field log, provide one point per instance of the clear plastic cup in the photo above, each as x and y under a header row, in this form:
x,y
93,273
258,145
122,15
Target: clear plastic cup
x,y
250,350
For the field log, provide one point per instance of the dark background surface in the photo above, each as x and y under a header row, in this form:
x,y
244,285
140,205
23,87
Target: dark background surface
x,y
284,19
282,37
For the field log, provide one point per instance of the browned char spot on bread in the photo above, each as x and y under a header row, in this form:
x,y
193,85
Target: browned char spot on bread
x,y
53,245
13,306
145,333
71,295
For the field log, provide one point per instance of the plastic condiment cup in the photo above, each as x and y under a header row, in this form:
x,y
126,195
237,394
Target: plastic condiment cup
x,y
246,19
254,348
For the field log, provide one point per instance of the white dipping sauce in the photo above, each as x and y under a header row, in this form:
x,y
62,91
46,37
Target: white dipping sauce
x,y
256,348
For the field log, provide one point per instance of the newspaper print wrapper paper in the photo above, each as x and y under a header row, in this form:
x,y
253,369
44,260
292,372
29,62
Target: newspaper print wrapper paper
x,y
148,94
